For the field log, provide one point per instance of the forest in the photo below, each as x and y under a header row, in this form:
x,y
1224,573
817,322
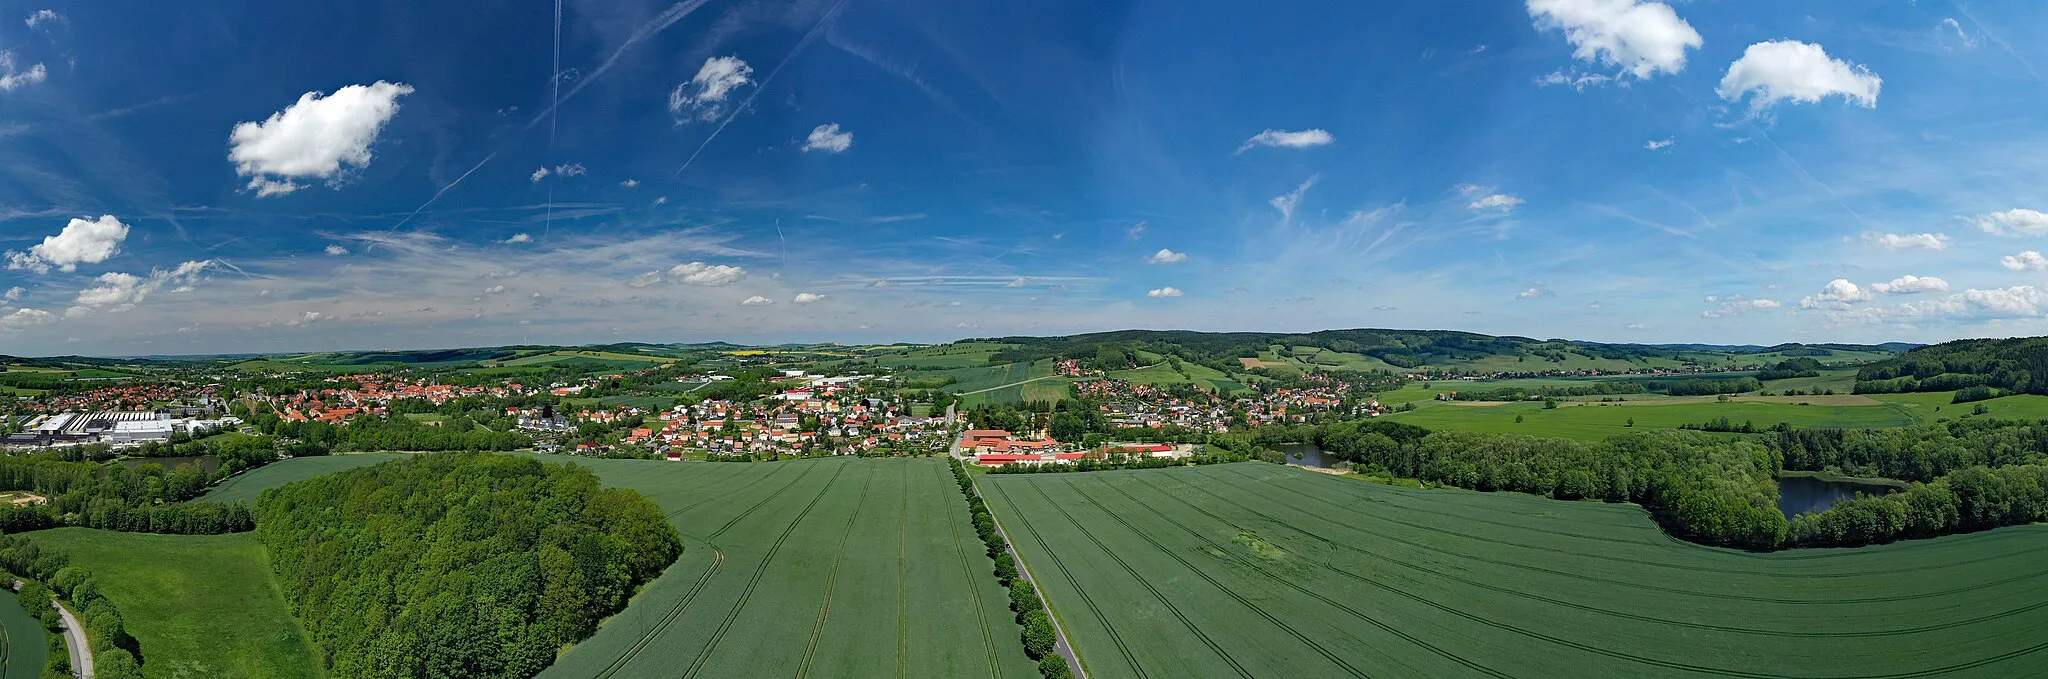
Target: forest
x,y
2011,365
143,499
458,564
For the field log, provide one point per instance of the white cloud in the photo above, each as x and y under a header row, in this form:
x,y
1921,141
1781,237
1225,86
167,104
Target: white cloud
x,y
519,238
1917,241
25,316
1469,190
1016,283
2014,222
318,137
709,275
1534,292
1951,24
703,97
808,298
12,294
116,291
1135,232
1737,306
1165,256
1286,139
1574,79
495,290
336,250
2029,260
660,200
570,170
1837,294
1164,292
1498,201
41,16
828,138
539,174
1640,38
2019,300
644,280
81,242
630,183
1287,202
1789,70
756,300
12,79
1658,144
1910,284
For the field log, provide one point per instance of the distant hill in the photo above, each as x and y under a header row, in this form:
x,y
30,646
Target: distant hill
x,y
2017,365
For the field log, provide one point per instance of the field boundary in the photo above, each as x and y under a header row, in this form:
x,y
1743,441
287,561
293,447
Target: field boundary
x,y
1073,655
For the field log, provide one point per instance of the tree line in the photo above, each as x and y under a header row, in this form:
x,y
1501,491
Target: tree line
x,y
142,499
1038,634
46,574
458,564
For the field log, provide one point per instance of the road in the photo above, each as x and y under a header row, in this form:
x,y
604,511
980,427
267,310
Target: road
x,y
1062,646
74,637
1047,377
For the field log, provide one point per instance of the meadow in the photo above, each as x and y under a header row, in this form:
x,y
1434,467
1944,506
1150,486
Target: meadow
x,y
24,644
199,605
1251,569
1595,421
247,485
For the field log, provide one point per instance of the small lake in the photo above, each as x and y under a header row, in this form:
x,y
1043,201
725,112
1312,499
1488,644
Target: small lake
x,y
1304,454
1801,494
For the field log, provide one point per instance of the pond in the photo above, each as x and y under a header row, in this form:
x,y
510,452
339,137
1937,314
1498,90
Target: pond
x,y
1304,455
1801,494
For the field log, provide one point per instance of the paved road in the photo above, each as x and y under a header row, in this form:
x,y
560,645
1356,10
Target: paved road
x,y
1062,646
74,637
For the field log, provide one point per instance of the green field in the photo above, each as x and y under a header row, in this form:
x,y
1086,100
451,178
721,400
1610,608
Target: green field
x,y
246,486
1260,570
1936,405
962,355
834,567
24,645
199,605
986,377
1595,421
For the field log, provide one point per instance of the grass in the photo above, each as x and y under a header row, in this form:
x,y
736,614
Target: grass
x,y
1595,421
1936,405
246,486
1260,570
835,567
24,643
199,605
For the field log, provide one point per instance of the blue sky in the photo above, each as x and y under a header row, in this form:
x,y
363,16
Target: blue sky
x,y
237,176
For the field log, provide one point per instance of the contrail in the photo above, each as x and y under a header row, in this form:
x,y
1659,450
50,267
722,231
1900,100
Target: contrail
x,y
806,42
674,13
554,100
444,189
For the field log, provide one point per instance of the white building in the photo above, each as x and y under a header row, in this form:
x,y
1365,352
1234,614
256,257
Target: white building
x,y
138,431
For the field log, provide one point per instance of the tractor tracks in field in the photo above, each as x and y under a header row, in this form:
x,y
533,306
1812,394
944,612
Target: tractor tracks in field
x,y
1024,518
754,580
718,562
903,579
832,581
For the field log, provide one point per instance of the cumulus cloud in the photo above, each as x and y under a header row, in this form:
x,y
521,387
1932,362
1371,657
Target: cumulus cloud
x,y
539,174
660,200
1639,38
1288,140
336,250
570,170
1910,284
1534,291
2029,260
1737,306
12,294
756,300
1498,201
13,77
828,138
1165,256
321,137
1837,294
1164,292
1658,144
1018,282
42,16
630,183
519,238
644,280
1789,70
704,96
808,298
710,275
2014,222
1916,241
24,317
81,242
116,291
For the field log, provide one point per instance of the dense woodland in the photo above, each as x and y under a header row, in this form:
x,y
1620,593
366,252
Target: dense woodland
x,y
142,499
2018,365
458,564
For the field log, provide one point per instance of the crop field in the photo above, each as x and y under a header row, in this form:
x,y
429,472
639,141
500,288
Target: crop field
x,y
964,355
199,605
1042,390
1595,421
984,377
1251,569
578,357
825,568
23,643
246,486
